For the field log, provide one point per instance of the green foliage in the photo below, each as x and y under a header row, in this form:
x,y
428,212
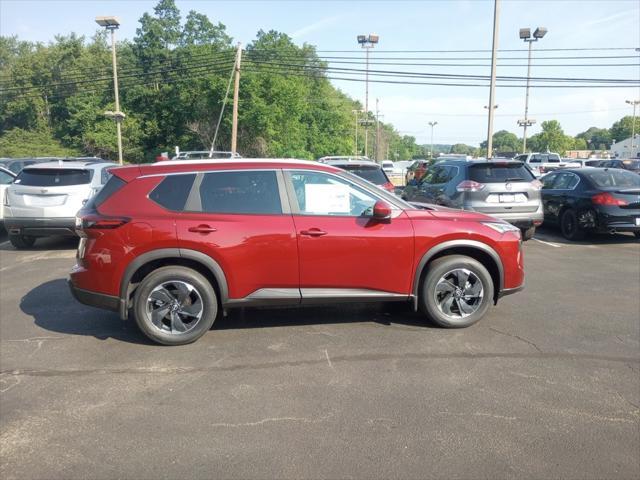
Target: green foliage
x,y
33,143
595,138
621,130
168,102
504,142
552,139
462,149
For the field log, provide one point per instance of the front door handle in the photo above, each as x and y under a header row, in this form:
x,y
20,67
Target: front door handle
x,y
203,229
313,232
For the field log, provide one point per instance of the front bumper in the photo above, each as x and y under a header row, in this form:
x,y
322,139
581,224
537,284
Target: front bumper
x,y
40,227
94,299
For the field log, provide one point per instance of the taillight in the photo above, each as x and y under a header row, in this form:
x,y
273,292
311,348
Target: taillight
x,y
605,198
389,187
469,186
99,222
536,184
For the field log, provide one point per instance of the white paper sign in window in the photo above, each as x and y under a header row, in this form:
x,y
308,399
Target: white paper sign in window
x,y
323,198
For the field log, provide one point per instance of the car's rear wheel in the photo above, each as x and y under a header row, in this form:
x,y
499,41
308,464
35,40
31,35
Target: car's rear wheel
x,y
22,241
175,305
456,292
570,227
528,233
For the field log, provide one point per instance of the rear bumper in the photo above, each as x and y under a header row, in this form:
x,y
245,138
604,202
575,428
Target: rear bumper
x,y
510,291
40,227
94,299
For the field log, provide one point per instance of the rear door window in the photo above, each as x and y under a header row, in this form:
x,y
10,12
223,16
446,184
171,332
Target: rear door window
x,y
498,173
241,192
172,192
565,181
548,181
54,177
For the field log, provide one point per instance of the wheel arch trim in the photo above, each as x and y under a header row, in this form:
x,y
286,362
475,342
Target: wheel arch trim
x,y
452,244
168,253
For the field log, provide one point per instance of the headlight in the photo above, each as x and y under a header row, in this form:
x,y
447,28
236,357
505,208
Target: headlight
x,y
501,227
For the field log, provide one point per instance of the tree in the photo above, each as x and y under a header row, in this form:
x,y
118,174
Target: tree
x,y
552,139
504,142
22,143
621,130
198,30
596,138
462,149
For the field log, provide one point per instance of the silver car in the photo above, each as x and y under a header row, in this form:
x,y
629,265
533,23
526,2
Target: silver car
x,y
504,189
44,198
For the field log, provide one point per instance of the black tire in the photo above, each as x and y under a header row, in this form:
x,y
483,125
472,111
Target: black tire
x,y
174,275
570,227
528,233
22,241
443,267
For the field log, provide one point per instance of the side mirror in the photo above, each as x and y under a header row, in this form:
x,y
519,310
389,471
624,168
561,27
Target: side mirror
x,y
381,210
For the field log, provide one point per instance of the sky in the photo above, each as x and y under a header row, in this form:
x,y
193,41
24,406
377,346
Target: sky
x,y
414,25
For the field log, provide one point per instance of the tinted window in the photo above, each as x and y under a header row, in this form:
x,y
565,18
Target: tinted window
x,y
321,194
536,159
240,192
435,176
5,178
632,164
548,180
565,181
373,174
113,185
105,175
497,173
613,178
53,177
173,191
553,158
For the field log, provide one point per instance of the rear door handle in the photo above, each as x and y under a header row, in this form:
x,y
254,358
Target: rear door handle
x,y
313,232
203,229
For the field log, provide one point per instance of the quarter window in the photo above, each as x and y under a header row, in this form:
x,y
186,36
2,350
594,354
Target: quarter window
x,y
241,192
172,192
321,194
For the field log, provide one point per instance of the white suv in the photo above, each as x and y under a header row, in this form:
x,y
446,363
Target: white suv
x,y
43,199
541,163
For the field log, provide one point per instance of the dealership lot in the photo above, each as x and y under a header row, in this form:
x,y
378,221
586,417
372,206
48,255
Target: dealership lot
x,y
547,385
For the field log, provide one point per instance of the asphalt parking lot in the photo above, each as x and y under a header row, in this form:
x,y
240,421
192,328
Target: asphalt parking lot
x,y
546,386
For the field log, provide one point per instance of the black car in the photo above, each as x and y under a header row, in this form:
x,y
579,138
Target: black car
x,y
633,165
583,200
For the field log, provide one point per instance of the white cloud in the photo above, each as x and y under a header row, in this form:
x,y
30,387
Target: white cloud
x,y
316,26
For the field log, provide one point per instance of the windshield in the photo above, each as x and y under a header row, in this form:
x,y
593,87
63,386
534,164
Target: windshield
x,y
53,177
500,172
374,174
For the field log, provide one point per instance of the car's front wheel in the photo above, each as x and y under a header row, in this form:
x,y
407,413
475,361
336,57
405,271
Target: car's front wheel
x,y
456,292
175,305
22,241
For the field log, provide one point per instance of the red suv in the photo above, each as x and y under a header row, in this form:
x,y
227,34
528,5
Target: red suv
x,y
177,243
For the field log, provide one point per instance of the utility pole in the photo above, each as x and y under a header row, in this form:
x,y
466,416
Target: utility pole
x,y
355,152
377,156
112,24
525,34
492,86
634,103
367,42
432,124
236,91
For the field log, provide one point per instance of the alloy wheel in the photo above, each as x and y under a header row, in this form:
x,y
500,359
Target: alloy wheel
x,y
459,293
175,306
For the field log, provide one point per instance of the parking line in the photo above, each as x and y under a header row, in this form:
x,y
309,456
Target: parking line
x,y
547,243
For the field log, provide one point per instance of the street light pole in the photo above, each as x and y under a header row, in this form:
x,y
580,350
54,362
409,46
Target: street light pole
x,y
367,42
525,34
492,86
634,103
112,24
432,124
